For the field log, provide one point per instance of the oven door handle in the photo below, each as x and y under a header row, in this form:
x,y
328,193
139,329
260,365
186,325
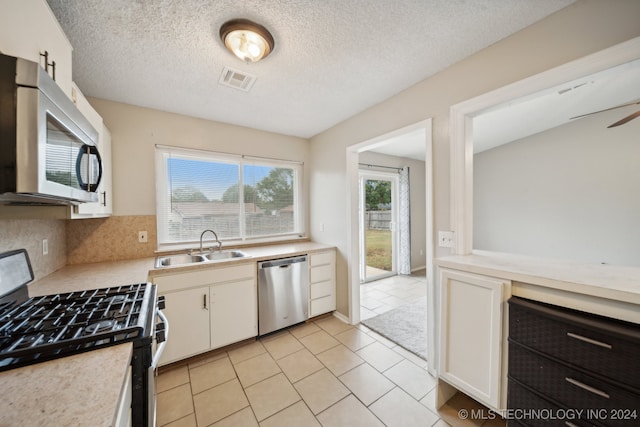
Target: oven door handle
x,y
162,345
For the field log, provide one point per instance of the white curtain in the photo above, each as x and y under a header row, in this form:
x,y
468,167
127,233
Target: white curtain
x,y
404,224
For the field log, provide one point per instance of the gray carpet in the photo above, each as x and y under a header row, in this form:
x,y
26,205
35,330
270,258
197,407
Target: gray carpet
x,y
405,325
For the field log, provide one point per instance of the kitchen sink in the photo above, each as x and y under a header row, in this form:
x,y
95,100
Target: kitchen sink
x,y
216,256
171,260
186,259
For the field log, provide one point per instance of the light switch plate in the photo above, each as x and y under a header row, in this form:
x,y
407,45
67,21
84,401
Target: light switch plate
x,y
445,239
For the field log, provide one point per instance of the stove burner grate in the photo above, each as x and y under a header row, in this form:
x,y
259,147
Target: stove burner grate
x,y
50,326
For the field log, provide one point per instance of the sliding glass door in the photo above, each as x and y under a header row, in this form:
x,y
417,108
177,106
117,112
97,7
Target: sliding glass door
x,y
378,225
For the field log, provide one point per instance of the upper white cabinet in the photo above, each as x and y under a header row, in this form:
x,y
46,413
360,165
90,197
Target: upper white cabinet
x,y
322,282
472,338
28,29
104,206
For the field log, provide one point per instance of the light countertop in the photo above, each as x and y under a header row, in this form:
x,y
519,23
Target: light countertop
x,y
617,283
78,277
80,390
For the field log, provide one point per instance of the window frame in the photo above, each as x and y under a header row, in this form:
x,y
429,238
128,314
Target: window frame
x,y
163,195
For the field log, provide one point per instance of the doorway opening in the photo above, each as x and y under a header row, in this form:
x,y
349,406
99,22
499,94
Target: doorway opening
x,y
378,283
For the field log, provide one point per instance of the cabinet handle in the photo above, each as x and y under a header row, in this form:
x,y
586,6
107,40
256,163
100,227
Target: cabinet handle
x,y
569,424
48,64
589,340
587,387
204,301
104,194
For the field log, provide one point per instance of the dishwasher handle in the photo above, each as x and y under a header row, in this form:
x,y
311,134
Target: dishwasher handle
x,y
282,263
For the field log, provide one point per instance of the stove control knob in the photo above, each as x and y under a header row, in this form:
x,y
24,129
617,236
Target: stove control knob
x,y
160,332
161,303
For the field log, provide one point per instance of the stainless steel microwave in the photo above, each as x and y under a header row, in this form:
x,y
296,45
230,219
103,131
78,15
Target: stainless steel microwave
x,y
48,149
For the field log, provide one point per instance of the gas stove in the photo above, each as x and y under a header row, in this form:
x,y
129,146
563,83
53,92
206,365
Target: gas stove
x,y
51,326
42,328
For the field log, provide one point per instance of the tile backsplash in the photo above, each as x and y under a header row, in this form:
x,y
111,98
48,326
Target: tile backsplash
x,y
78,241
110,239
29,234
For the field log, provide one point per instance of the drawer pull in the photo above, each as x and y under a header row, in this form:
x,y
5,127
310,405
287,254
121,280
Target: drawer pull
x,y
570,424
587,388
589,340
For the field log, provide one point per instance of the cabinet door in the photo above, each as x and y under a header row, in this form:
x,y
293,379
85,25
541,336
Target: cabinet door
x,y
471,334
29,28
104,206
188,316
234,313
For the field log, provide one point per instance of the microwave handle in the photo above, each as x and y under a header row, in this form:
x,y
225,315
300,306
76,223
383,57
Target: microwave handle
x,y
88,150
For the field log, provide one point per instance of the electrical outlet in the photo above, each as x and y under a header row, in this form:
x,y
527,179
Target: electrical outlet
x,y
45,247
142,237
445,239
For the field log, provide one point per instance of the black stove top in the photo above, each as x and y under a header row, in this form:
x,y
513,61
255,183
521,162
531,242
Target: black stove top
x,y
51,326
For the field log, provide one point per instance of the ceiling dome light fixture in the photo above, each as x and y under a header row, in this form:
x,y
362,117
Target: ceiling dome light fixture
x,y
247,40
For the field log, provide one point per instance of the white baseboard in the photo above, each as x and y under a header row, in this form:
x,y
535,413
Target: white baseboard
x,y
342,317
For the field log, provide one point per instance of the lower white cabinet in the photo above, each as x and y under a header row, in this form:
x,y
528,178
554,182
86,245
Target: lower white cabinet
x,y
123,413
322,282
472,335
208,308
188,317
233,312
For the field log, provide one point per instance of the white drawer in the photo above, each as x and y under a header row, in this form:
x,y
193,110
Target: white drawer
x,y
322,289
322,305
321,273
321,258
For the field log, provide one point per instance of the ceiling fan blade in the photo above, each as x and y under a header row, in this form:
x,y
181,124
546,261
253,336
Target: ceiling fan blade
x,y
625,120
606,109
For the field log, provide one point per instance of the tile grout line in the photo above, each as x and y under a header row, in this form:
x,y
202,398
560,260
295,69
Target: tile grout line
x,y
304,347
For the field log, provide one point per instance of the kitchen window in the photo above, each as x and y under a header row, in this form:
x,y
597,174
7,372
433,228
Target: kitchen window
x,y
241,198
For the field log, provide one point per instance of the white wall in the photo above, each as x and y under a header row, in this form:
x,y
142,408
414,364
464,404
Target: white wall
x,y
135,131
417,195
585,27
570,193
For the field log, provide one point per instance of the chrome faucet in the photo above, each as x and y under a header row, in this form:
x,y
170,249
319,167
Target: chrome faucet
x,y
217,241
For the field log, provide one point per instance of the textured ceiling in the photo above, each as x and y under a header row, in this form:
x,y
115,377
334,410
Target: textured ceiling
x,y
332,58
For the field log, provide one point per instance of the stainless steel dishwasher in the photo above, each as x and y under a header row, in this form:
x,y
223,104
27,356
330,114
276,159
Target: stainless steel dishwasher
x,y
282,293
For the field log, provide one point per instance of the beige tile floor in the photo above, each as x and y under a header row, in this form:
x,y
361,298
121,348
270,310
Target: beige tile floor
x,y
382,295
322,373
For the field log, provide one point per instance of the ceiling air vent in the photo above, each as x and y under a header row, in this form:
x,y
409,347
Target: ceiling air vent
x,y
236,79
